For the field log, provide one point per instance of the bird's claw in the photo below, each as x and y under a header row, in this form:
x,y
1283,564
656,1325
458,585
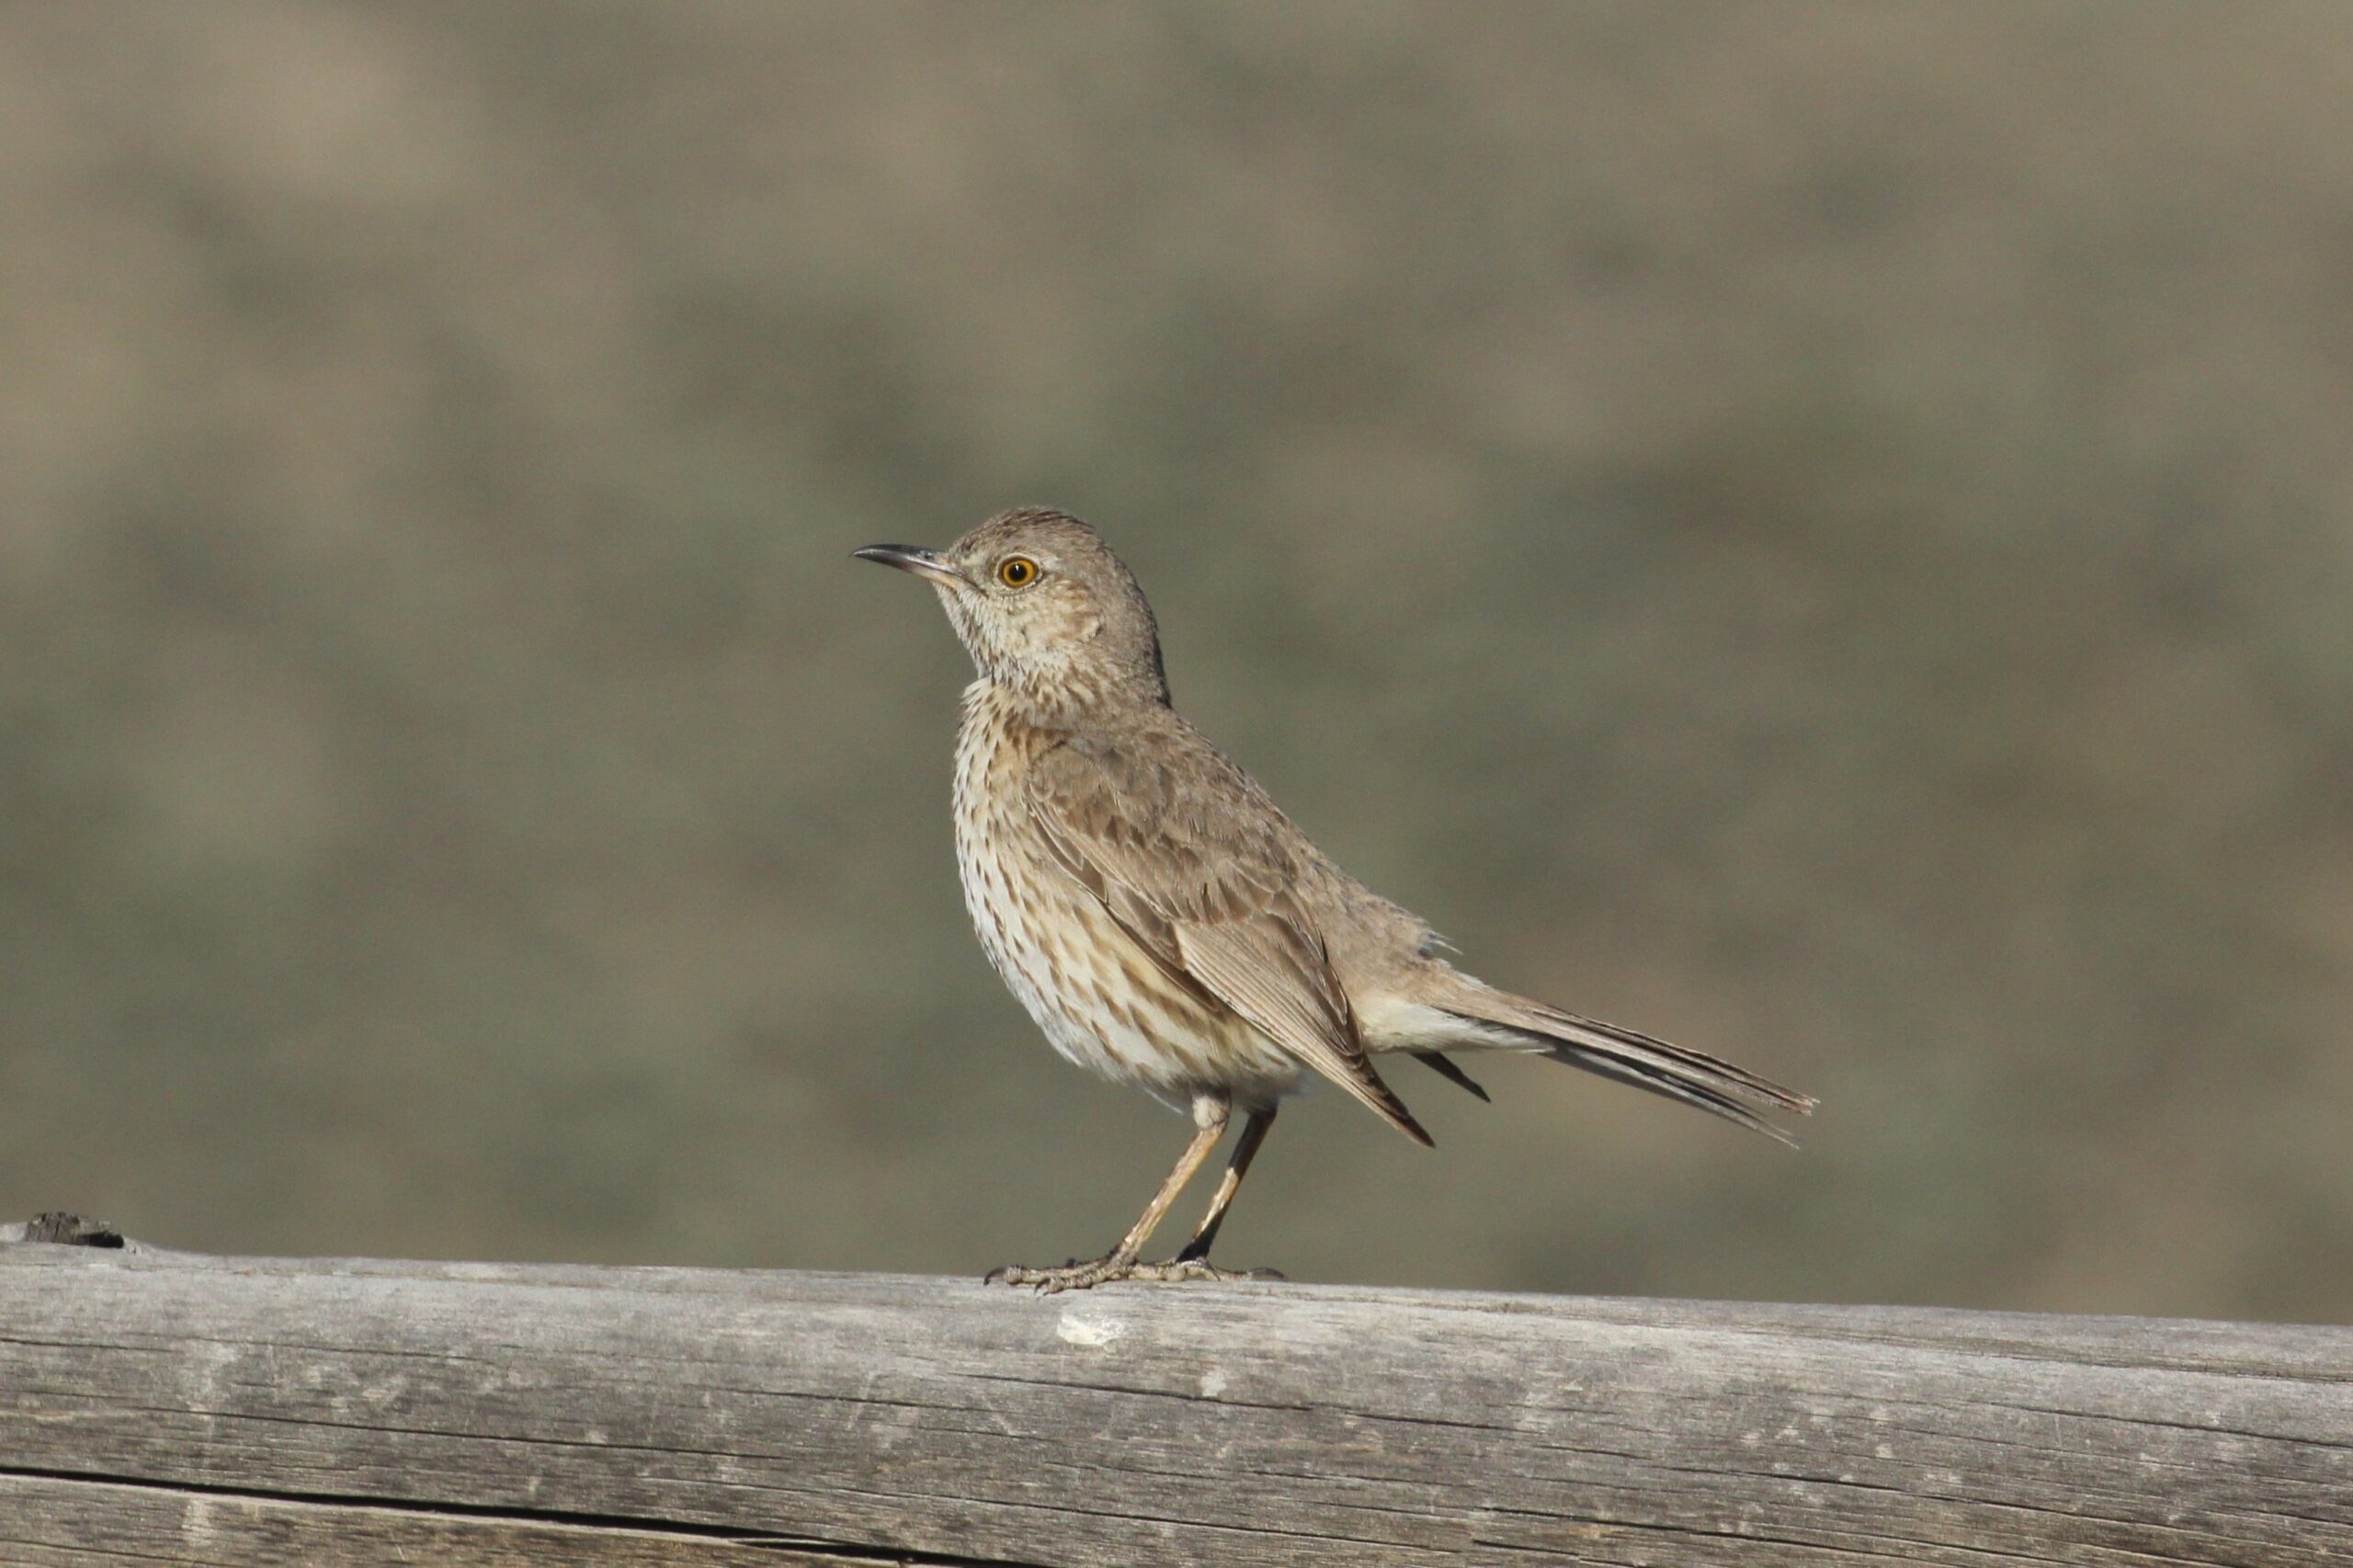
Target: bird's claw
x,y
1177,1269
1077,1275
1071,1275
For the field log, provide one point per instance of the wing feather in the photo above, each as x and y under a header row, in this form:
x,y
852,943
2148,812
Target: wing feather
x,y
1195,864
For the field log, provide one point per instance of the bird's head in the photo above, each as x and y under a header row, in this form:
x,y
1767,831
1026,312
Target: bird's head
x,y
1044,607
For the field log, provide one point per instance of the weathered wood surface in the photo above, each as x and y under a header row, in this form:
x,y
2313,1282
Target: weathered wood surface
x,y
160,1408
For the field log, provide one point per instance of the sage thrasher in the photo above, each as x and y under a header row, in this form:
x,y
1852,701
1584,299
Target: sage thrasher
x,y
1165,923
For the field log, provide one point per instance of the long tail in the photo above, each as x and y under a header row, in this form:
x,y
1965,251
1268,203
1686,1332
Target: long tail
x,y
1502,1020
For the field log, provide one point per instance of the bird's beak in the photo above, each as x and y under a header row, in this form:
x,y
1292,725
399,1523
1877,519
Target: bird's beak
x,y
924,564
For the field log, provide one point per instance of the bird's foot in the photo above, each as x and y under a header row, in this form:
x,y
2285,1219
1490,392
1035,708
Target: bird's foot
x,y
1077,1275
1181,1267
1071,1275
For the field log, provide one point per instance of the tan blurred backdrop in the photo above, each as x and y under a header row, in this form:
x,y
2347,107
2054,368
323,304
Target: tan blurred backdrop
x,y
1821,530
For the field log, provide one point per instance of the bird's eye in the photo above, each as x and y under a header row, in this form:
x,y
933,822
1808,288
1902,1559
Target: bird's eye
x,y
1017,571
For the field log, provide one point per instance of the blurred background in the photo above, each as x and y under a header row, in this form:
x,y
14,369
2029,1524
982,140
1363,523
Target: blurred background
x,y
1824,531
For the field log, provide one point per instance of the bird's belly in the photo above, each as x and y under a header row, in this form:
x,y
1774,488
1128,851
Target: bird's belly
x,y
1100,997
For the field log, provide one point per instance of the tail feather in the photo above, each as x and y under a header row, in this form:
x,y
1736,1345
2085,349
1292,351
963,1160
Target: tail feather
x,y
1439,1064
1644,1060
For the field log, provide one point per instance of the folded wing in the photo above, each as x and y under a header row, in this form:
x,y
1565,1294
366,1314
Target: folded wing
x,y
1195,864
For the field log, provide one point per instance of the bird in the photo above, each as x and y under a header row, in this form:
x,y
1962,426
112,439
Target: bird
x,y
1167,927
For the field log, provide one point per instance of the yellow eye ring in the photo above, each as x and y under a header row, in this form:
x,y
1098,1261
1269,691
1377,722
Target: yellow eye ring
x,y
1017,571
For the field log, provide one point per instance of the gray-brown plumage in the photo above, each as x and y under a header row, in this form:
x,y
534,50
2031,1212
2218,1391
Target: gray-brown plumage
x,y
1164,923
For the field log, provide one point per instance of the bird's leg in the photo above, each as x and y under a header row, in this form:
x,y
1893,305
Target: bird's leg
x,y
1193,1263
1210,1115
1237,1166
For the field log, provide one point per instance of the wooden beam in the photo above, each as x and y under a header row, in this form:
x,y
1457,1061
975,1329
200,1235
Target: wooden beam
x,y
166,1407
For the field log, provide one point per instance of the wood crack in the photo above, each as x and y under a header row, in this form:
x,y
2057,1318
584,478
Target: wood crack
x,y
681,1530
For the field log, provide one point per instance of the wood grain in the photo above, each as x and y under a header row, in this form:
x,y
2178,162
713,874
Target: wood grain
x,y
160,1408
